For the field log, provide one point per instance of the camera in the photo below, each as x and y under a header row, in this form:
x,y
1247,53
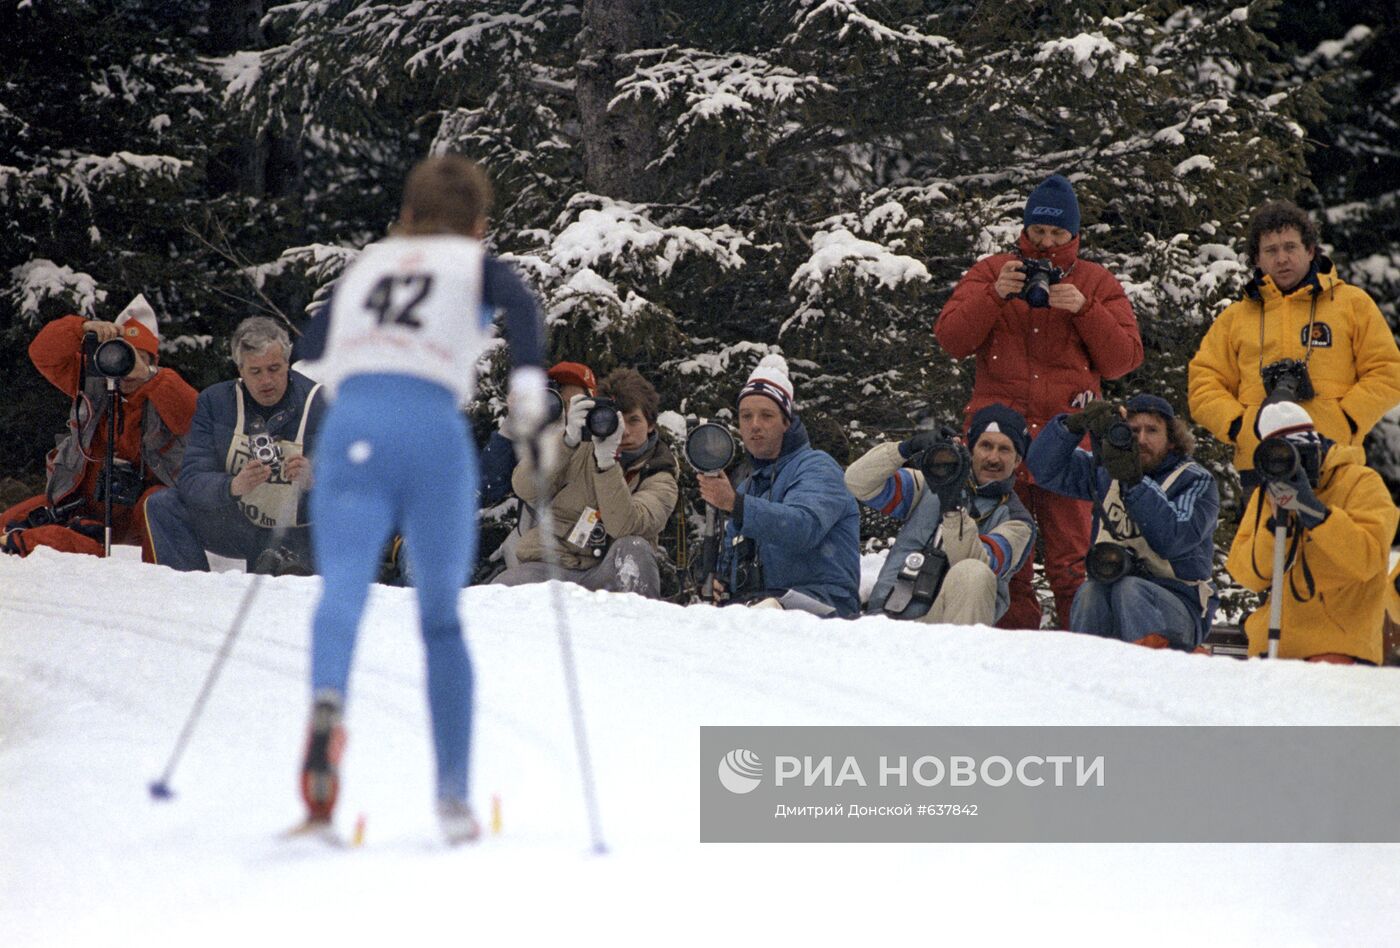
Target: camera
x,y
1287,380
1278,459
58,513
1040,276
597,541
917,585
113,359
1109,562
1120,436
602,420
710,448
127,484
748,570
944,463
263,447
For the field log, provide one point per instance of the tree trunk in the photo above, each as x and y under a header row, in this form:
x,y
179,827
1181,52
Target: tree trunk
x,y
617,144
234,25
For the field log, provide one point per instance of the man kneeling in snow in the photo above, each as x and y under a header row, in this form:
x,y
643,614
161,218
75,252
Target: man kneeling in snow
x,y
793,536
613,488
241,491
1155,511
965,532
1340,522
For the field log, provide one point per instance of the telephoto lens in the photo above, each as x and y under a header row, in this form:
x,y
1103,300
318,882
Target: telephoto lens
x,y
942,464
602,419
1108,562
114,359
1120,435
1276,459
710,448
554,406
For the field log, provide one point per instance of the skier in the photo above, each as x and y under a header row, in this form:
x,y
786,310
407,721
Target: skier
x,y
401,336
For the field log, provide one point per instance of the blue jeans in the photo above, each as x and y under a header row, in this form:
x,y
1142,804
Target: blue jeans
x,y
393,452
1132,608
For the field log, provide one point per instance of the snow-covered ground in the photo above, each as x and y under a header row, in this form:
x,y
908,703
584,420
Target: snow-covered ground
x,y
100,661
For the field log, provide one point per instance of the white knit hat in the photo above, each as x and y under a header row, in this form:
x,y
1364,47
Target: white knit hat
x,y
138,325
770,379
1281,419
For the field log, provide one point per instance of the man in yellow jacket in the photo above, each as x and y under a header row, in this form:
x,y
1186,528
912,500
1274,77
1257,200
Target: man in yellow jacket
x,y
1340,524
1300,333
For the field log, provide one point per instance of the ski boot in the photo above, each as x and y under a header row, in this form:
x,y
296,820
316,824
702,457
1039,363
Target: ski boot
x,y
458,822
320,771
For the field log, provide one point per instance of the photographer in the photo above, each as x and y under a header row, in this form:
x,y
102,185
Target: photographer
x,y
1340,521
1155,512
1300,334
965,532
793,536
154,407
246,469
613,486
1046,326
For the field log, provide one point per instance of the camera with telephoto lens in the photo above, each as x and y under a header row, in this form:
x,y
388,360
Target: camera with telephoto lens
x,y
263,446
127,484
113,359
1120,435
602,420
710,448
1109,562
1287,380
1040,276
1278,459
554,405
943,464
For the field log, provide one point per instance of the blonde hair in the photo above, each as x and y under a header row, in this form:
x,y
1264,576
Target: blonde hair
x,y
445,194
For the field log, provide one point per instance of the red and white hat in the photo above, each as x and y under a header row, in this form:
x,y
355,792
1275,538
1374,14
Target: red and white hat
x,y
138,326
770,379
1281,419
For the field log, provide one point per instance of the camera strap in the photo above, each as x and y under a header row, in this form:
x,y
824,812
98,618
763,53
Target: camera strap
x,y
922,586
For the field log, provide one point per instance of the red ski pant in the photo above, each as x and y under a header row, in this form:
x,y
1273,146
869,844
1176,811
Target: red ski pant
x,y
128,526
1063,523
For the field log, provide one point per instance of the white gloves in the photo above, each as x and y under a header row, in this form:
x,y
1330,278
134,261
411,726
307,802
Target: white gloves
x,y
605,450
574,416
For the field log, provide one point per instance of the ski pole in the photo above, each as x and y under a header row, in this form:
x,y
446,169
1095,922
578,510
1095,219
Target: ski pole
x,y
544,505
1276,590
160,787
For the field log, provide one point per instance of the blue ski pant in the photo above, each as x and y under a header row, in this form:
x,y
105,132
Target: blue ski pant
x,y
394,454
1132,608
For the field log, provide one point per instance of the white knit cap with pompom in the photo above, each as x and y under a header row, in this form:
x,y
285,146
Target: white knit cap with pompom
x,y
1282,419
770,379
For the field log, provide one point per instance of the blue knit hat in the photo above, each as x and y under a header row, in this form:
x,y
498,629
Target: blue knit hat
x,y
997,417
1053,202
1153,403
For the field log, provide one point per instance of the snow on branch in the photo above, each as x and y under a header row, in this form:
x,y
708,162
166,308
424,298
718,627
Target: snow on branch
x,y
1089,51
39,280
97,172
605,230
709,86
856,22
865,260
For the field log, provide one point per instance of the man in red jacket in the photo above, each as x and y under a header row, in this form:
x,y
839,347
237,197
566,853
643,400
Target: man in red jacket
x,y
1043,349
155,409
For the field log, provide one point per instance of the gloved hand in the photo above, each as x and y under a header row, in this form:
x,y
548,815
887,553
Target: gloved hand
x,y
574,417
1122,464
1095,417
605,449
921,441
952,493
1297,495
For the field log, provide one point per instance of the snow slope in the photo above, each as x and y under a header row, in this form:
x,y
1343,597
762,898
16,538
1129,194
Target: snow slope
x,y
99,663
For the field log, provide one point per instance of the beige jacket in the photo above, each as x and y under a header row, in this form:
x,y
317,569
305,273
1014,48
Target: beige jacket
x,y
637,502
